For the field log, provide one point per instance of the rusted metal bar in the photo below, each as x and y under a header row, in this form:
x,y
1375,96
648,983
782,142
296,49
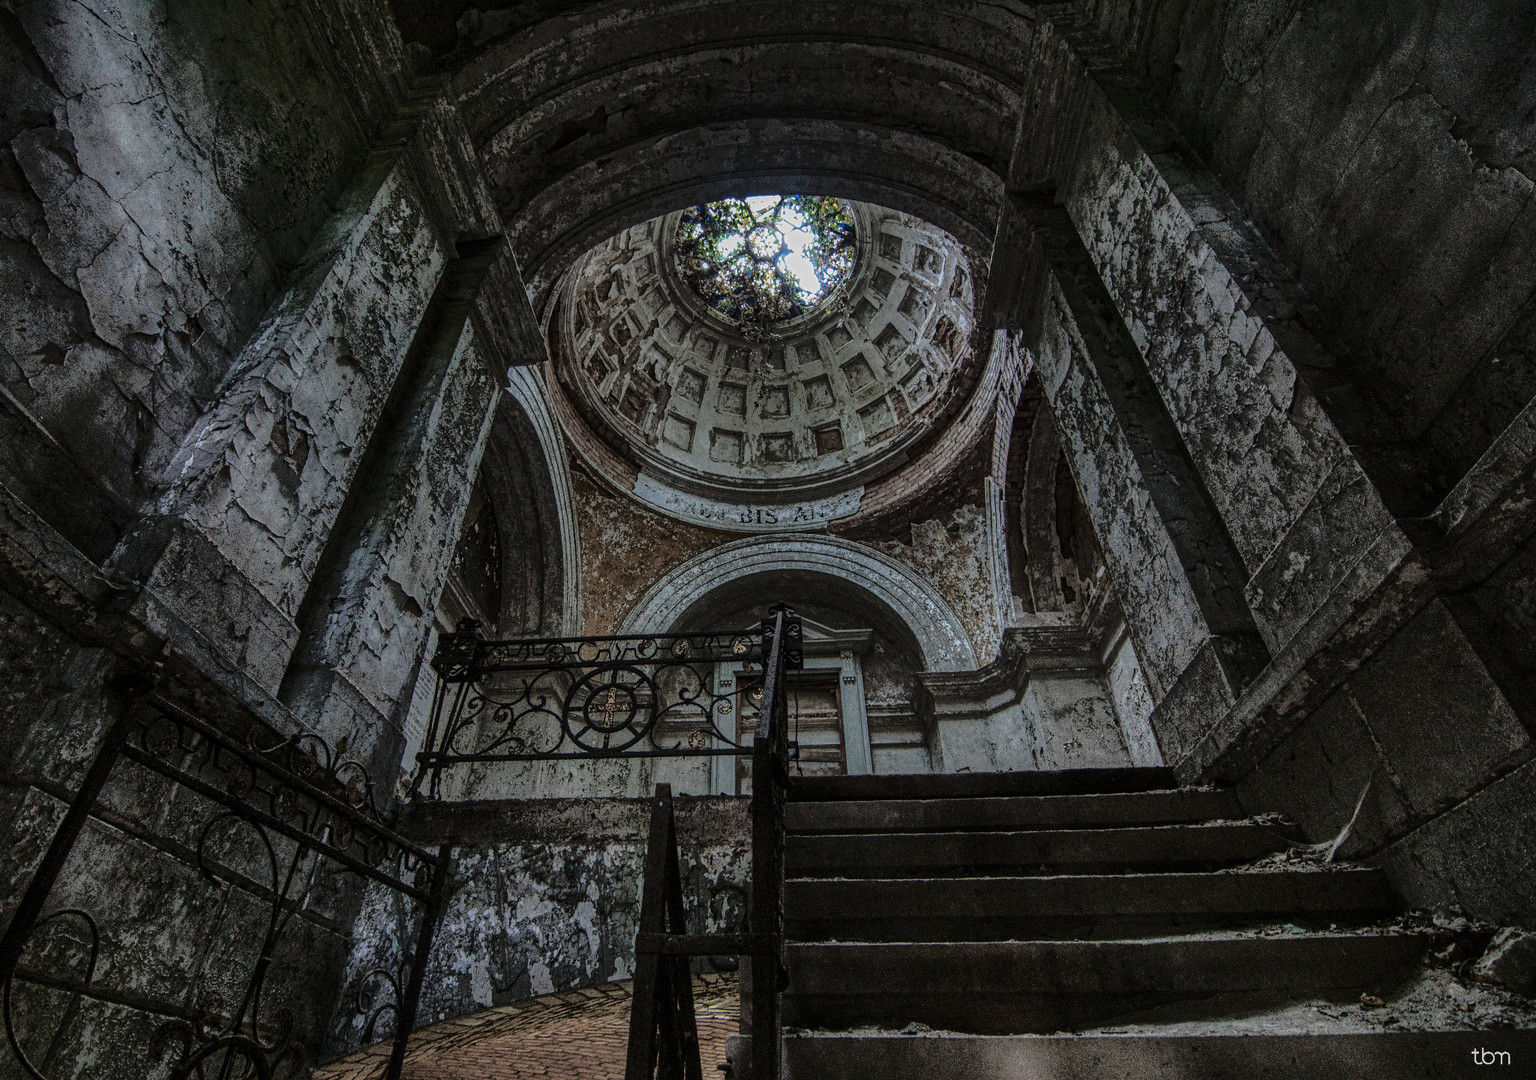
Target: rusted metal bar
x,y
405,1022
266,820
769,774
643,1016
296,788
681,1024
558,699
31,907
133,691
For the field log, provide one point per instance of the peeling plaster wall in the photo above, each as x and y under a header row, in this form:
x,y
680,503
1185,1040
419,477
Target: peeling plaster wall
x,y
1057,723
1159,604
625,549
1335,586
261,480
1293,499
162,173
229,226
167,935
232,352
1132,702
953,553
1386,150
546,897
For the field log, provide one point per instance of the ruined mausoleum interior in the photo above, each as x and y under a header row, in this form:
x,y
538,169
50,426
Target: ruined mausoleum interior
x,y
568,538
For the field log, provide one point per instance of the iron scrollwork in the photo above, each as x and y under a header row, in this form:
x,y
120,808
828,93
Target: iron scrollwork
x,y
653,695
278,816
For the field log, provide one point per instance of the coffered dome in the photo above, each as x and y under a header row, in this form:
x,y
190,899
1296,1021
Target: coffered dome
x,y
762,411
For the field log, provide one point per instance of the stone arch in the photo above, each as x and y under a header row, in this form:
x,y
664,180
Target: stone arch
x,y
905,172
525,390
524,534
915,605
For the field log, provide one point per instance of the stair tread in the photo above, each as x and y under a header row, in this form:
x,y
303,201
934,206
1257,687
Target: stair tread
x,y
1324,879
1097,906
1016,986
1002,904
1148,1054
1174,806
1224,843
1212,961
970,785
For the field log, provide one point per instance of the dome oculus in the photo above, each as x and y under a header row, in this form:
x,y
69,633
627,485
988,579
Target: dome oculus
x,y
767,258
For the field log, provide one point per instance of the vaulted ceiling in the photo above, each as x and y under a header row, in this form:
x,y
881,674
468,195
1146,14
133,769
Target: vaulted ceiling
x,y
589,125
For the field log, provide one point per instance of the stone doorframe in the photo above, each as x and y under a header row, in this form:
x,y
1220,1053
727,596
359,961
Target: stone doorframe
x,y
826,650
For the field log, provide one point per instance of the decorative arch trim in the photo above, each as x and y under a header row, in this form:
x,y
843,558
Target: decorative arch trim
x,y
939,633
525,386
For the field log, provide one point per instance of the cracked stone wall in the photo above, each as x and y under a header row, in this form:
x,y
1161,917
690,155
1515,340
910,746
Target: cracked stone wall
x,y
954,554
246,297
1327,123
168,937
1383,154
163,171
1387,152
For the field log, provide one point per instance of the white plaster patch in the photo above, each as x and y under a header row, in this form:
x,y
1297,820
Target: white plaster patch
x,y
480,983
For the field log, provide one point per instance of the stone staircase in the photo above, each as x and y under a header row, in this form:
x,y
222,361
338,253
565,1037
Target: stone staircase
x,y
1098,923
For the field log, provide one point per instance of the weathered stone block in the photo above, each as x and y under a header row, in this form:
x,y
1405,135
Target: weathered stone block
x,y
1317,775
1442,725
1480,855
1331,535
1509,960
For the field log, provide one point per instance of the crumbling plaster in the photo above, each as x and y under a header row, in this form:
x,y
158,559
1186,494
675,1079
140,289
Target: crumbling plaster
x,y
1386,151
626,547
954,554
170,175
164,172
547,897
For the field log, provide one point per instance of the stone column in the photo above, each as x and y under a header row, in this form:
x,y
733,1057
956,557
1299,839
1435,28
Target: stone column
x,y
298,553
228,554
362,623
856,748
1174,566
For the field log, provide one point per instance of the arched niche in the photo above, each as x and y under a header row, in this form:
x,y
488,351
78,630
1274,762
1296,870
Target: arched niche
x,y
515,569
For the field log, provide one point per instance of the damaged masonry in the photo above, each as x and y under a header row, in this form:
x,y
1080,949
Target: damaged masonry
x,y
827,540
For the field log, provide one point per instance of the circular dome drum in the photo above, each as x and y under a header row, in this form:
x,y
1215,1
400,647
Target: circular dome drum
x,y
727,371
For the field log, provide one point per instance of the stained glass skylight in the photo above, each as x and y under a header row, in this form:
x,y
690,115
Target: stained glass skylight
x,y
766,258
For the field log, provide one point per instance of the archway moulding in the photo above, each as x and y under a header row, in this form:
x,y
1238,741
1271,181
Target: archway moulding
x,y
525,387
938,631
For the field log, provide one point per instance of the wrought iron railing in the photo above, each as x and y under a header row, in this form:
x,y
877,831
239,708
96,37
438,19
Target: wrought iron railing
x,y
270,815
657,695
645,696
308,812
663,1037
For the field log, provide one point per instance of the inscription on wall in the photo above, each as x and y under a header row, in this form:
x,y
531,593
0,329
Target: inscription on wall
x,y
747,517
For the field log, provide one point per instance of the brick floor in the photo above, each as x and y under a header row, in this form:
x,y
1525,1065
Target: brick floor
x,y
578,1035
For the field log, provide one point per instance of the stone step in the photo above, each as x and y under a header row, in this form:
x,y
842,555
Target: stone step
x,y
1077,905
1420,1055
933,854
976,785
993,813
1013,987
